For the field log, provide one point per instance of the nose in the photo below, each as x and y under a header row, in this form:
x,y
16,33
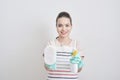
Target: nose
x,y
63,28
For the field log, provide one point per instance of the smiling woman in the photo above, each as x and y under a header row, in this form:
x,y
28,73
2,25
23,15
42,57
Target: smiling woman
x,y
65,66
64,24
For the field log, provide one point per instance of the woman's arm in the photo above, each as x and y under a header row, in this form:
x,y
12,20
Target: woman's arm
x,y
44,64
79,70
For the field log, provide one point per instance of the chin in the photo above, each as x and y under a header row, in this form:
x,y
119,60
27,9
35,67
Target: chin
x,y
64,36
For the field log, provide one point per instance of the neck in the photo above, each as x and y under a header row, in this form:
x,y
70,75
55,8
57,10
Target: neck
x,y
64,40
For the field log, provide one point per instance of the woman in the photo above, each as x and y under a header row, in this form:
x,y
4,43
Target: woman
x,y
64,46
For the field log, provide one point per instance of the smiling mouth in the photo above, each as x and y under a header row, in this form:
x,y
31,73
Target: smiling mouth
x,y
63,33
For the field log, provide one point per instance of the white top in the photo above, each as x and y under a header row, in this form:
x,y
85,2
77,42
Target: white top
x,y
74,44
63,55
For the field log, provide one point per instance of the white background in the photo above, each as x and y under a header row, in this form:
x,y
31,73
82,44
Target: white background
x,y
27,25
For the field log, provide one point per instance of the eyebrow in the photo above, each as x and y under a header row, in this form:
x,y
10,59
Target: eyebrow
x,y
65,24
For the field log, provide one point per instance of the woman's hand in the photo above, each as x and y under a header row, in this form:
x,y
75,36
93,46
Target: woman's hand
x,y
79,70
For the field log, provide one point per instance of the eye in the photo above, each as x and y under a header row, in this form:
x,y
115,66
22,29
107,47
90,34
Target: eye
x,y
59,25
67,25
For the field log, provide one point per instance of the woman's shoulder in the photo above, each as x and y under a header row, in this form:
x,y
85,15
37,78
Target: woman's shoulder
x,y
51,42
79,47
75,42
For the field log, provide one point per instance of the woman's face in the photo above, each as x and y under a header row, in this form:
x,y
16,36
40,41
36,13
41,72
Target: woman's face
x,y
63,27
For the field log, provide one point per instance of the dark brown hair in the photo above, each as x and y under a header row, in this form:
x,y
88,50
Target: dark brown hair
x,y
64,14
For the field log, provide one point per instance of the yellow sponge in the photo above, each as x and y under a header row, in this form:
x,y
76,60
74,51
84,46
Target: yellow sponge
x,y
75,52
